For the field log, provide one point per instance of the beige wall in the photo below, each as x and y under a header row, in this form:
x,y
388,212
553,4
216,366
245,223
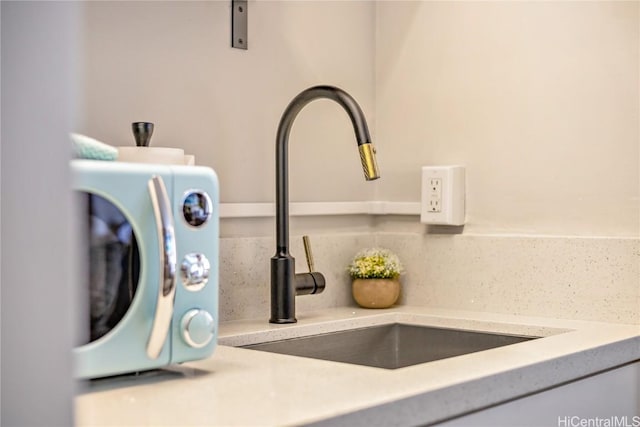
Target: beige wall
x,y
171,63
540,100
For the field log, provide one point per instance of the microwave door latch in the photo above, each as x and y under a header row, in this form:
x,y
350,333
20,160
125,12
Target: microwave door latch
x,y
168,260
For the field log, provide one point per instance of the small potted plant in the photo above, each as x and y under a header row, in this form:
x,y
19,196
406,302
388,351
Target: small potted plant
x,y
376,277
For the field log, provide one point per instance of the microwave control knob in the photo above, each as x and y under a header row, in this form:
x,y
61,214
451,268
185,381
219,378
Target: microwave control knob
x,y
195,271
198,328
196,207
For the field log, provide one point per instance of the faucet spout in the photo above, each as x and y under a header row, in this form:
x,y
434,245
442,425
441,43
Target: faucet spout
x,y
285,284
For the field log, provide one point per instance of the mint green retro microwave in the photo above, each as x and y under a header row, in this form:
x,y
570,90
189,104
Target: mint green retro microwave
x,y
150,235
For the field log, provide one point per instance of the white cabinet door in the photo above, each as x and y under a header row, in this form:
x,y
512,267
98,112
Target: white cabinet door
x,y
611,398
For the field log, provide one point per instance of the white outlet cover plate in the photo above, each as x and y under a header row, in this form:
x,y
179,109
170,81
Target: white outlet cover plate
x,y
451,195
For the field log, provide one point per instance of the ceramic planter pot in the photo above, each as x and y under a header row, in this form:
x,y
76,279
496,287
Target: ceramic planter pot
x,y
376,293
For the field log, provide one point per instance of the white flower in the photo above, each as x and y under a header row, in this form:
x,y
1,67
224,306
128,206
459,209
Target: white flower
x,y
375,263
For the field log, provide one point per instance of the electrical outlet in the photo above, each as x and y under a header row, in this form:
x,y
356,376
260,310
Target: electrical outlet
x,y
443,195
435,195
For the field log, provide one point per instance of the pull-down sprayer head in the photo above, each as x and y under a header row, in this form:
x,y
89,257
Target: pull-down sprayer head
x,y
368,159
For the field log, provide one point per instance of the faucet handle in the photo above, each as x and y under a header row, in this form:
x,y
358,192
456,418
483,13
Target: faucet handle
x,y
312,282
307,252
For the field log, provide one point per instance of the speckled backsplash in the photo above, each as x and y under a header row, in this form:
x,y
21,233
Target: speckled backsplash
x,y
561,277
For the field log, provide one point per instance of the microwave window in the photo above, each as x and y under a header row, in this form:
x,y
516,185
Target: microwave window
x,y
114,265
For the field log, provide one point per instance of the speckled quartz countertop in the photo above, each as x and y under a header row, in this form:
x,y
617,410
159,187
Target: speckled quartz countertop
x,y
246,387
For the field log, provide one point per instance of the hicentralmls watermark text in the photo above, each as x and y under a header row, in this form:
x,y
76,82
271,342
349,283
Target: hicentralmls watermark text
x,y
614,421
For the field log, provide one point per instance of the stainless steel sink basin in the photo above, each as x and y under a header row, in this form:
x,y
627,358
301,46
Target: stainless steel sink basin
x,y
390,346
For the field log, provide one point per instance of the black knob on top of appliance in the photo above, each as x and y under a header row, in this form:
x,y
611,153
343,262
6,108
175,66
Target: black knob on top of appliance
x,y
142,132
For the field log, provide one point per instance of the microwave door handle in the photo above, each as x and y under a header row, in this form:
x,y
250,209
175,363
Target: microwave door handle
x,y
167,249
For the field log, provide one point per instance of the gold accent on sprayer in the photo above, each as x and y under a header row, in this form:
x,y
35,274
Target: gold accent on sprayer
x,y
368,159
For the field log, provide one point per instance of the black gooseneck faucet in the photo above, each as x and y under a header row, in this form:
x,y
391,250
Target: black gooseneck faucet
x,y
285,283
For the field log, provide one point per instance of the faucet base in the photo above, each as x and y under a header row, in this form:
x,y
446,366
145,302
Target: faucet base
x,y
283,291
283,321
285,285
